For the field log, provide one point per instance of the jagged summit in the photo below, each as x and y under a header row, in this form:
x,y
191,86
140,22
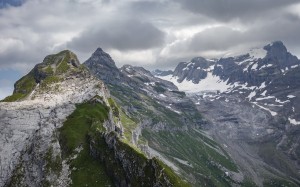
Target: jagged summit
x,y
103,66
99,50
195,70
253,67
276,44
101,57
276,49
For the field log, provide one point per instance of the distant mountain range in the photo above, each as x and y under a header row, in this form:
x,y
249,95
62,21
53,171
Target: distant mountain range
x,y
268,77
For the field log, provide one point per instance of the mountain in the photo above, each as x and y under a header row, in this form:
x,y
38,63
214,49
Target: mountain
x,y
61,127
107,70
168,125
211,122
253,99
265,76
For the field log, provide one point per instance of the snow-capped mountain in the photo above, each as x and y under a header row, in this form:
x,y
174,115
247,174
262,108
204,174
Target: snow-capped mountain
x,y
265,76
251,97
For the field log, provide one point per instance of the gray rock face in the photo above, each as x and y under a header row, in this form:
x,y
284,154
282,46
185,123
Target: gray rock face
x,y
158,72
142,77
103,66
193,71
258,114
246,132
254,71
28,130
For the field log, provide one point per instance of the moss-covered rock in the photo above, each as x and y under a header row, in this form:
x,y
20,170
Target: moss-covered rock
x,y
53,69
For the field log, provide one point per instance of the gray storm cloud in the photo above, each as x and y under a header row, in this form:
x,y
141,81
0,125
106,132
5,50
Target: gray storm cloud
x,y
127,35
163,32
226,10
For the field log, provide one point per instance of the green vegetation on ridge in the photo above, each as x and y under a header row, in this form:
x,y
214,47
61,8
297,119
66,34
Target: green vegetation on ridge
x,y
96,163
204,159
51,70
86,171
23,88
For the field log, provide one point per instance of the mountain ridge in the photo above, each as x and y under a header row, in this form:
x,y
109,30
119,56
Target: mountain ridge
x,y
232,137
66,130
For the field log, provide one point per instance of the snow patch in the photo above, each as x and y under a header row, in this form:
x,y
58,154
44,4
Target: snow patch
x,y
272,113
251,95
254,66
294,122
183,162
264,93
210,83
263,85
266,66
281,102
291,96
162,95
173,109
264,98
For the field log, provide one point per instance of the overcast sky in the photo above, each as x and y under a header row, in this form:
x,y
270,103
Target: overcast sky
x,y
150,33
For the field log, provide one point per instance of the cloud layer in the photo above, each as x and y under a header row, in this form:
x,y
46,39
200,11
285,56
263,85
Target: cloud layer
x,y
124,36
152,33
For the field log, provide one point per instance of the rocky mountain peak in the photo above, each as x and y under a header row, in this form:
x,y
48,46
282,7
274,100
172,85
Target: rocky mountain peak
x,y
102,57
103,66
54,68
63,55
277,54
276,49
195,70
99,50
276,46
202,62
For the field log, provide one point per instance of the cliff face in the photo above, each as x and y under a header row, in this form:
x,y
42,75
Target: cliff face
x,y
28,127
54,124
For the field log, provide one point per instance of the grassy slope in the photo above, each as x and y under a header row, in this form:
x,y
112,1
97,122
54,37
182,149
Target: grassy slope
x,y
86,170
191,146
23,87
83,128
